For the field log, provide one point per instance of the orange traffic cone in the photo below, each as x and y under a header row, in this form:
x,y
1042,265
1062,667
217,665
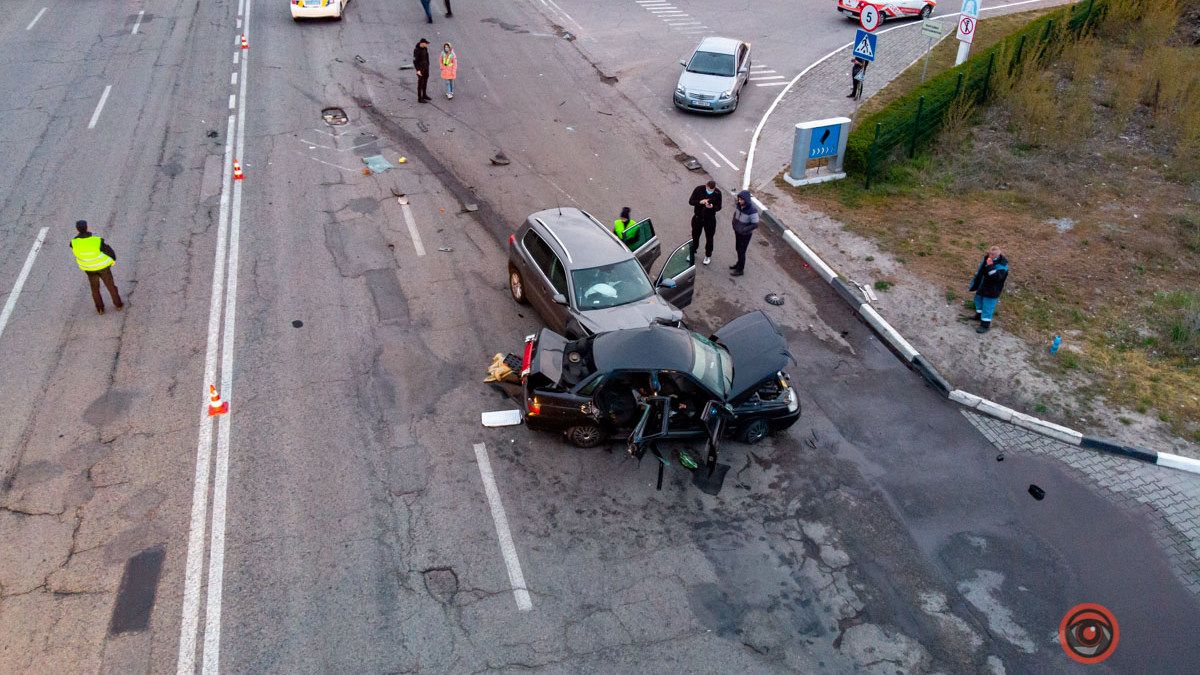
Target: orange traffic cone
x,y
237,170
215,405
244,44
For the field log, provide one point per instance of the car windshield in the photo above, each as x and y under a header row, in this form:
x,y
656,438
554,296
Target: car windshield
x,y
711,63
711,365
610,285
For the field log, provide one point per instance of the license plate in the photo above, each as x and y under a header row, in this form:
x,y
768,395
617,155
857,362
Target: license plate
x,y
702,104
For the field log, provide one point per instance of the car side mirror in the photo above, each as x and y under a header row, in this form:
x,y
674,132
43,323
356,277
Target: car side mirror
x,y
667,283
559,298
683,62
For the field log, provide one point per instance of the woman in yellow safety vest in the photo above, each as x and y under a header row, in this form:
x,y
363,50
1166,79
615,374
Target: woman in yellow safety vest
x,y
624,227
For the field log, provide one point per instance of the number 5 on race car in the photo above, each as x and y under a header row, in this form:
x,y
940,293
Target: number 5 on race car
x,y
897,9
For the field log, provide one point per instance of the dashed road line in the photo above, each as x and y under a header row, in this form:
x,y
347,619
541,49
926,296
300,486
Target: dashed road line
x,y
507,548
771,84
412,229
232,101
137,24
35,19
99,107
13,294
723,157
711,160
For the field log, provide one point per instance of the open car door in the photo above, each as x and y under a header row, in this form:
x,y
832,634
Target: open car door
x,y
643,242
677,280
716,416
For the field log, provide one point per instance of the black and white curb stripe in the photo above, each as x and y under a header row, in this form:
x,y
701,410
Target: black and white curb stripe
x,y
919,363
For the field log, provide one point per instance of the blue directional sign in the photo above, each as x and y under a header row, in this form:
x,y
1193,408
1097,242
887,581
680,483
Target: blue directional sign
x,y
824,141
864,45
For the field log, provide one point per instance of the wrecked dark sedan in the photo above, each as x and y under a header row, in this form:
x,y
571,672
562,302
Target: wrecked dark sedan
x,y
596,387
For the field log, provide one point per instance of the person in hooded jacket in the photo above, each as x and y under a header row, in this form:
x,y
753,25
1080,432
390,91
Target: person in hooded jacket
x,y
745,221
421,65
988,284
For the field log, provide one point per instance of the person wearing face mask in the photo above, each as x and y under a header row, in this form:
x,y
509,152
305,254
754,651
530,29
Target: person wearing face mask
x,y
449,68
705,202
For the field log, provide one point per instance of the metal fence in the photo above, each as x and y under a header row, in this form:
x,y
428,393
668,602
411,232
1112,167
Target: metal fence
x,y
915,119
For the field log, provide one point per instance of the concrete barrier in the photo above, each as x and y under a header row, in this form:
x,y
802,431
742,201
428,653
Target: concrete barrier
x,y
885,329
1040,426
1178,462
814,261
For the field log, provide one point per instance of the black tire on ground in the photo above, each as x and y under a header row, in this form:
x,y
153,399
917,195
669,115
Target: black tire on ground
x,y
584,435
754,431
516,286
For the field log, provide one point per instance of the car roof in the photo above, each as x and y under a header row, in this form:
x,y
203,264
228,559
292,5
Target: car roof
x,y
650,348
720,45
584,242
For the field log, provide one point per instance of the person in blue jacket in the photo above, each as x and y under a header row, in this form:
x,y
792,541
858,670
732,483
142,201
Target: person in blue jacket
x,y
988,284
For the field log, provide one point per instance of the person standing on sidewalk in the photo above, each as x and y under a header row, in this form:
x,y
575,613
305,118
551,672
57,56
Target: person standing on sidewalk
x,y
96,258
421,65
449,68
449,12
745,221
858,72
705,202
428,14
988,284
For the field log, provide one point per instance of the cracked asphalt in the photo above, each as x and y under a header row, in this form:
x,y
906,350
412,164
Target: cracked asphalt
x,y
880,534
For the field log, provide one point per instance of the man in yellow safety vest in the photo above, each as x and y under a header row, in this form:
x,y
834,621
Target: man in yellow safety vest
x,y
625,228
96,258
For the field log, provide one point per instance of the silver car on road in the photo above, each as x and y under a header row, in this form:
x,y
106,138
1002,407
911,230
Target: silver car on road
x,y
713,77
582,279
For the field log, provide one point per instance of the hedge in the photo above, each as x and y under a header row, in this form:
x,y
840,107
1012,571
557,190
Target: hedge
x,y
915,118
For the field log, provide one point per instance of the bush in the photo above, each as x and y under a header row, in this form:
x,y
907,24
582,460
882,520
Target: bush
x,y
916,117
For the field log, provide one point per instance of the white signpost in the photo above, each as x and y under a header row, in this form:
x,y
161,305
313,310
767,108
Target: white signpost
x,y
968,20
932,30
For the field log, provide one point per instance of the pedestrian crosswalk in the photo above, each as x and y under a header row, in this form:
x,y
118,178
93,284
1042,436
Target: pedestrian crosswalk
x,y
762,76
676,19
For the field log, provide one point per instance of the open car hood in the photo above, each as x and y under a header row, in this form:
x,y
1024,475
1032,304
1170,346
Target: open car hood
x,y
758,350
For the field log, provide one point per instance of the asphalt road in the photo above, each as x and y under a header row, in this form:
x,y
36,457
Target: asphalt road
x,y
347,522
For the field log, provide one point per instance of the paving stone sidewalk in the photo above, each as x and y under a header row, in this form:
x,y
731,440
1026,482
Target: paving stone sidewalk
x,y
1171,499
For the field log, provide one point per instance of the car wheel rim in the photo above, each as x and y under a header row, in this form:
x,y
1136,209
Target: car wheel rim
x,y
514,283
758,432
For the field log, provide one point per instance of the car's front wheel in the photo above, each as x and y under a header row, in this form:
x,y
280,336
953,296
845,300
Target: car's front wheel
x,y
754,431
516,286
584,435
926,11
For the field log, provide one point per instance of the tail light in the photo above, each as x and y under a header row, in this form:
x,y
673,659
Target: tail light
x,y
527,359
512,240
535,407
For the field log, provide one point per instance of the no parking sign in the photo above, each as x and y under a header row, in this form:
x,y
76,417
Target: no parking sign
x,y
966,29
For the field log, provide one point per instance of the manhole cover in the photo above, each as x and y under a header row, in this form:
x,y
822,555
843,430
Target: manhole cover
x,y
774,299
334,116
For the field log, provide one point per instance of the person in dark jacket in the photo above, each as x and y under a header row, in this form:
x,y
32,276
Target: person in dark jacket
x,y
988,284
858,72
421,65
705,202
745,221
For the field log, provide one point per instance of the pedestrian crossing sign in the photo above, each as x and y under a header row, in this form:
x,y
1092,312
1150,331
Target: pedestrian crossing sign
x,y
864,45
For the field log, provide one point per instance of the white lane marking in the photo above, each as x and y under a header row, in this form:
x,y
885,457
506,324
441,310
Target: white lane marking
x,y
35,19
762,122
137,24
11,302
194,567
770,84
99,107
723,157
233,78
668,12
711,160
232,101
760,69
216,549
515,577
676,23
754,77
236,56
412,229
564,13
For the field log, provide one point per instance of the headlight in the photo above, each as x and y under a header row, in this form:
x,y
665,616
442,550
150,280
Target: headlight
x,y
727,95
792,403
680,90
